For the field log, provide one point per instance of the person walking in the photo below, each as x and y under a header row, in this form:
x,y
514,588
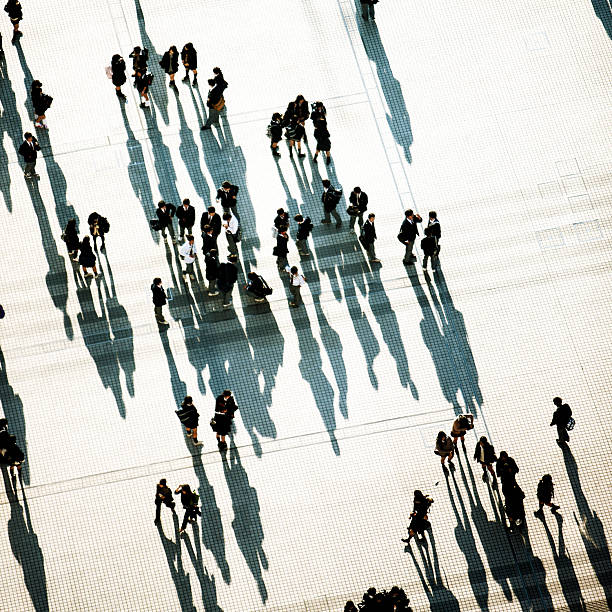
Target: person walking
x,y
419,520
227,196
367,9
358,204
189,253
296,282
514,506
211,218
10,452
227,275
303,231
29,151
545,492
232,228
221,423
215,103
212,271
281,219
484,453
159,300
330,198
219,79
98,227
294,133
462,424
275,133
562,417
433,231
506,469
408,233
429,248
319,114
87,258
444,448
322,136
165,212
15,12
368,237
186,218
142,82
189,57
227,399
140,60
281,250
169,63
118,75
41,103
163,495
71,238
257,287
189,500
189,417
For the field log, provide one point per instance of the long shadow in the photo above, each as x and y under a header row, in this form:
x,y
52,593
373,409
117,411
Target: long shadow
x,y
179,388
247,522
603,10
591,529
398,118
12,406
25,547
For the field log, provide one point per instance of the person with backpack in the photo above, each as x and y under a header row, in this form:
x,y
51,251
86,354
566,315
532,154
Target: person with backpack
x,y
275,133
190,501
118,75
462,424
163,495
98,227
296,282
212,270
330,198
562,417
294,133
227,196
169,63
189,417
159,300
189,57
408,233
215,103
257,287
227,275
444,448
419,520
484,453
368,237
281,250
29,151
545,492
41,103
71,238
303,231
13,9
87,258
358,204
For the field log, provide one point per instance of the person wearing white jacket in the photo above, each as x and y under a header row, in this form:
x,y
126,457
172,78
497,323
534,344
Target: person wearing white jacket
x,y
189,252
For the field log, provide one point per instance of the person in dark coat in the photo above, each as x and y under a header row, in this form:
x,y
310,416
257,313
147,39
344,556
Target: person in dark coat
x,y
444,448
367,9
189,500
142,82
10,453
368,237
484,453
227,196
140,59
159,300
330,198
281,250
408,233
275,132
506,469
87,258
321,134
163,495
561,417
419,522
297,109
41,103
303,231
210,217
98,227
169,62
227,275
225,407
514,506
219,79
318,115
208,240
429,248
281,219
215,103
15,13
358,201
546,492
186,218
189,417
165,212
227,399
71,238
189,57
119,78
29,151
212,271
257,287
294,134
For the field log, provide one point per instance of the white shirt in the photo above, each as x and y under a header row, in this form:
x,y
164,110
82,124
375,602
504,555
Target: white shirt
x,y
189,252
232,225
297,280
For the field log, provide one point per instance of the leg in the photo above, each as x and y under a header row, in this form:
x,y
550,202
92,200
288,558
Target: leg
x,y
212,284
425,258
182,231
231,243
352,222
326,217
408,256
157,510
171,230
336,216
364,10
159,315
185,519
360,219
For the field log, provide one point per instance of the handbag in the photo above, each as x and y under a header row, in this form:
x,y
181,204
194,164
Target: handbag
x,y
109,72
213,423
353,211
219,105
571,423
154,223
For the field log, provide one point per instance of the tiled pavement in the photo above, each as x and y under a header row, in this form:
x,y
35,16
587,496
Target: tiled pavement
x,y
498,116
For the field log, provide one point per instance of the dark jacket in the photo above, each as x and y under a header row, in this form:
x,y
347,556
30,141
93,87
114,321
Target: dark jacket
x,y
142,81
506,469
546,491
409,230
163,493
118,68
169,64
214,222
362,203
321,135
281,221
276,131
159,295
227,198
368,232
165,217
189,500
214,95
189,57
561,415
209,242
212,266
257,286
87,257
101,222
489,453
71,238
29,152
428,244
220,81
186,218
227,274
433,229
41,101
304,229
230,404
330,198
188,415
14,10
281,249
140,61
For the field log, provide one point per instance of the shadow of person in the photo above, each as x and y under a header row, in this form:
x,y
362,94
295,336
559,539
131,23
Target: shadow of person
x,y
591,529
139,177
398,118
158,91
179,388
603,10
12,406
247,522
25,547
95,330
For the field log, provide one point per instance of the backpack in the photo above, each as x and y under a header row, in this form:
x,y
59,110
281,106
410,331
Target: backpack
x,y
104,224
267,289
334,195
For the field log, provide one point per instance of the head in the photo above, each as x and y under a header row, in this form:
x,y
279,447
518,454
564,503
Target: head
x,y
211,82
232,258
71,223
213,252
186,202
441,436
115,57
157,281
85,241
207,229
136,50
276,117
418,494
547,478
162,482
36,84
298,219
294,270
188,399
28,136
227,393
558,402
227,216
3,423
217,70
409,213
371,217
300,98
433,215
190,239
483,440
252,276
186,488
172,50
211,210
280,212
326,183
161,204
503,455
283,229
357,189
189,46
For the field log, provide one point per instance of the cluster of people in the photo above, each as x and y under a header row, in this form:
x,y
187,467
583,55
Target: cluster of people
x,y
10,453
394,600
81,251
189,499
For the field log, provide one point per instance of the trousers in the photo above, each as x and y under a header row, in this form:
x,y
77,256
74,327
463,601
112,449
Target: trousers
x,y
334,214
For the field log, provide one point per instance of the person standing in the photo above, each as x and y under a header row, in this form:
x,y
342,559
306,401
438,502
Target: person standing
x,y
227,275
209,241
429,248
368,237
219,79
189,57
330,198
71,238
318,115
444,448
159,300
484,453
169,63
118,78
294,133
142,82
10,453
189,417
275,133
462,424
506,469
189,500
211,218
98,227
303,231
281,250
165,212
87,258
514,506
281,219
189,253
41,103
419,521
561,418
322,136
358,201
212,270
29,151
221,424
546,492
186,218
232,227
140,59
163,495
215,104
367,9
296,282
408,233
227,195
227,399
15,13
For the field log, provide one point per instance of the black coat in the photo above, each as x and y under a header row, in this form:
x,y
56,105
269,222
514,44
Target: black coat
x,y
304,229
214,222
28,152
188,416
561,416
140,61
369,232
169,64
186,218
321,135
212,266
226,198
142,82
223,423
362,203
189,57
281,221
227,275
433,229
489,453
165,217
71,238
159,295
546,491
281,249
163,493
40,101
118,68
209,242
276,131
409,230
214,95
14,10
87,257
257,287
506,469
220,81
330,199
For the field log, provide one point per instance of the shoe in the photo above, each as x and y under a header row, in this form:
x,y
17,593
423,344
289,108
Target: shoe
x,y
301,154
276,153
213,293
406,540
539,513
181,531
304,254
163,323
374,260
29,176
197,443
227,305
554,508
325,222
98,275
89,275
195,82
434,269
205,127
192,276
260,299
291,154
143,105
75,259
338,225
314,159
484,477
186,79
172,84
424,270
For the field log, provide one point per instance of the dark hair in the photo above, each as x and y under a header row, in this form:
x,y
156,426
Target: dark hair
x,y
173,49
71,223
283,228
252,275
483,439
161,203
547,478
226,184
326,183
232,257
36,84
211,82
162,482
189,237
189,45
503,454
207,228
298,218
188,399
211,209
136,50
217,70
441,435
294,270
276,116
557,401
299,98
433,214
186,201
371,216
357,189
27,135
85,240
409,212
114,58
280,211
157,280
213,252
226,393
227,216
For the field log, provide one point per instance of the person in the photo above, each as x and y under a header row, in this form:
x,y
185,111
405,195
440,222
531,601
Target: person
x,y
219,79
189,253
319,114
506,469
408,233
140,59
514,506
444,449
419,521
281,219
189,57
209,242
275,133
186,218
226,196
303,231
561,417
368,237
545,492
215,104
429,248
227,274
232,227
484,453
358,201
330,198
227,399
10,453
29,151
367,9
189,417
15,13
461,424
169,62
159,300
41,102
350,606
257,286
142,82
211,218
165,212
71,238
322,136
87,258
281,250
98,227
294,133
297,109
189,499
212,270
118,78
163,495
221,423
433,230
296,282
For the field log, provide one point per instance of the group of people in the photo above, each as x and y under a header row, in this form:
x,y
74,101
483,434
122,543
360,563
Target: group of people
x,y
81,251
189,500
394,600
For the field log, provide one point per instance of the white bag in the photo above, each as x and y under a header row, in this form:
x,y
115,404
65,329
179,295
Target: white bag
x,y
109,72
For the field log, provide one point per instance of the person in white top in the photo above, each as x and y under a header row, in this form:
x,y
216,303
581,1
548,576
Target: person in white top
x,y
230,223
189,253
296,282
